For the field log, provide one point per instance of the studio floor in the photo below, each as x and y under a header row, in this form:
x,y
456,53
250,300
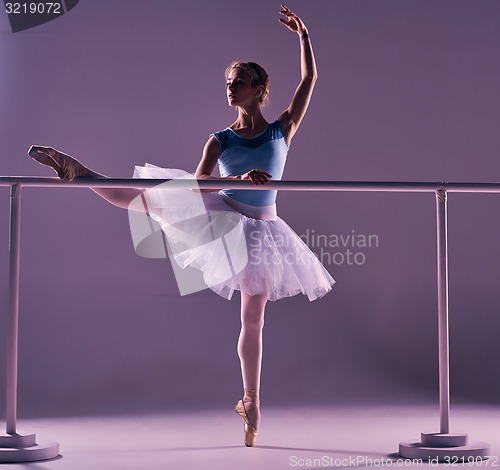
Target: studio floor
x,y
336,436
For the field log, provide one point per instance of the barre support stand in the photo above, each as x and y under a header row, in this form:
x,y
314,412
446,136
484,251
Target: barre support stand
x,y
15,445
443,446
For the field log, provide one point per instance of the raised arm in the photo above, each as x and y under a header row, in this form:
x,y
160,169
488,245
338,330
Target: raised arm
x,y
291,118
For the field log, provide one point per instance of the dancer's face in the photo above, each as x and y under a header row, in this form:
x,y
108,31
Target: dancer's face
x,y
239,89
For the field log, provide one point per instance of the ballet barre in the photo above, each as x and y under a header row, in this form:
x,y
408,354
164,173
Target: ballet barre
x,y
16,446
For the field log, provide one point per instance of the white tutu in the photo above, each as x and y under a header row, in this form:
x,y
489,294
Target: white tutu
x,y
235,245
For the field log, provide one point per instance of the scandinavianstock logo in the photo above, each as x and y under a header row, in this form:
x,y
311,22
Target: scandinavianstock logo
x,y
208,246
29,14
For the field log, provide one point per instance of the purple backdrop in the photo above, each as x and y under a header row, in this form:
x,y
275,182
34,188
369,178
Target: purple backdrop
x,y
407,90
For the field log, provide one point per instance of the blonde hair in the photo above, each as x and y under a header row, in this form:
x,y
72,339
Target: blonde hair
x,y
257,73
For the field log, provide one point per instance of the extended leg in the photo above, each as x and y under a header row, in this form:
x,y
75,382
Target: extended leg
x,y
68,168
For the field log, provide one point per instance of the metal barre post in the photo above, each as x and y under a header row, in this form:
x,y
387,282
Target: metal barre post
x,y
12,326
443,446
443,324
17,446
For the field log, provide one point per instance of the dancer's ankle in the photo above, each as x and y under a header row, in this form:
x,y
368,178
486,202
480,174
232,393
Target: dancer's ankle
x,y
251,395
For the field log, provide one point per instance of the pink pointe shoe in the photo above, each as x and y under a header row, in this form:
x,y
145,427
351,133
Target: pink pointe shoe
x,y
66,167
241,408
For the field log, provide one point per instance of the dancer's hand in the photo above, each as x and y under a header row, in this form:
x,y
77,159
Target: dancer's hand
x,y
293,22
256,176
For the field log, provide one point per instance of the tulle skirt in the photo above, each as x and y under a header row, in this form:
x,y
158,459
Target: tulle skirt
x,y
236,246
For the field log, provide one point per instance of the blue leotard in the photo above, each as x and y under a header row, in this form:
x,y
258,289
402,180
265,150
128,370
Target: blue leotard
x,y
266,151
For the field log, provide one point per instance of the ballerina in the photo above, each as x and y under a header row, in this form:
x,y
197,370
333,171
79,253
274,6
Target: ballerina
x,y
253,150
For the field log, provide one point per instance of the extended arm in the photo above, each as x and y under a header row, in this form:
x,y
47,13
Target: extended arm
x,y
291,118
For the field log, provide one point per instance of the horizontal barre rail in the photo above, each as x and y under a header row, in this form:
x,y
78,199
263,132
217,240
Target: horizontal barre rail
x,y
143,183
440,189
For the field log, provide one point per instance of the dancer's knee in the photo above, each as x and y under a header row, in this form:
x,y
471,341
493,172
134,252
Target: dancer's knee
x,y
252,310
253,322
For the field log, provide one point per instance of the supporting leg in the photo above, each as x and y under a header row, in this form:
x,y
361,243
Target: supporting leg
x,y
250,350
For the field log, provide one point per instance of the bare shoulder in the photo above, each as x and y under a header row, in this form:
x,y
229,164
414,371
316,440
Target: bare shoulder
x,y
212,145
211,153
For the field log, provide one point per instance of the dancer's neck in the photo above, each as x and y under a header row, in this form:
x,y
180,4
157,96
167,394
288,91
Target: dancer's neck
x,y
249,118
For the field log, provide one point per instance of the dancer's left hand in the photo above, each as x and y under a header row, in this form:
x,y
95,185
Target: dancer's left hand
x,y
293,22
